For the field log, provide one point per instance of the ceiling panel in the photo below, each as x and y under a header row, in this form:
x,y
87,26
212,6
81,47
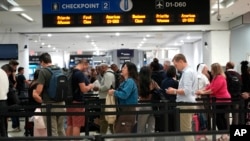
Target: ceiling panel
x,y
106,41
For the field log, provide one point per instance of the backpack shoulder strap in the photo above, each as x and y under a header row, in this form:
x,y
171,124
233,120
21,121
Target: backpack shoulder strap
x,y
111,72
155,85
48,69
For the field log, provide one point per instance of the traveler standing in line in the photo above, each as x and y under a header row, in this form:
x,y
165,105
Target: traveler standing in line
x,y
127,94
108,81
34,100
218,89
185,92
234,85
93,75
166,65
202,73
5,71
98,75
170,81
145,122
245,75
118,77
115,68
13,83
21,82
157,73
43,80
80,85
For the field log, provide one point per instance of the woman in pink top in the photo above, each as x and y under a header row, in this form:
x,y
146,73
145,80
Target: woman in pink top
x,y
218,89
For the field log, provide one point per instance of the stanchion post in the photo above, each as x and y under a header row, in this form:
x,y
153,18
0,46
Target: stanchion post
x,y
166,113
99,138
177,118
48,117
214,116
86,117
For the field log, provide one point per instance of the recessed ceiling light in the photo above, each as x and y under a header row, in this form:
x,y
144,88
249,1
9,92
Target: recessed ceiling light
x,y
12,2
26,17
49,35
15,9
148,35
49,46
87,36
117,34
230,4
3,7
42,44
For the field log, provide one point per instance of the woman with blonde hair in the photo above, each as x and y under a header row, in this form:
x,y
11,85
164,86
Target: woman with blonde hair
x,y
218,89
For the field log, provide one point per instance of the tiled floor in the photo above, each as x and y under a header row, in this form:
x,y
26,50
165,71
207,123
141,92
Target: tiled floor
x,y
21,133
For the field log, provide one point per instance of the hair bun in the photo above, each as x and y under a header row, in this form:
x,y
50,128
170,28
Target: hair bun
x,y
244,63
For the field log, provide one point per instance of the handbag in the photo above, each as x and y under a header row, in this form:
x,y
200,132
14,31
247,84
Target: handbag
x,y
38,120
110,100
12,97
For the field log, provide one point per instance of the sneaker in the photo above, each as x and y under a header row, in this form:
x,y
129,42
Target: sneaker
x,y
16,130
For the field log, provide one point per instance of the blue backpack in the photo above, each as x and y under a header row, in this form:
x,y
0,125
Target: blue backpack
x,y
58,85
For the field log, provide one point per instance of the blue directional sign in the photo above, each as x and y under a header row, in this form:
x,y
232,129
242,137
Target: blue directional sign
x,y
86,6
77,13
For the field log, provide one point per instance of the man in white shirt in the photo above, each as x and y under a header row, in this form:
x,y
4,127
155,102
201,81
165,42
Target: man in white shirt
x,y
4,83
107,82
185,92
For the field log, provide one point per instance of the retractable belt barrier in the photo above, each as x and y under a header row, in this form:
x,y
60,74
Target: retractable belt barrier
x,y
91,103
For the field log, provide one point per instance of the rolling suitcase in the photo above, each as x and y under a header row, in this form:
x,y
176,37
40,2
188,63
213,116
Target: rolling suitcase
x,y
196,127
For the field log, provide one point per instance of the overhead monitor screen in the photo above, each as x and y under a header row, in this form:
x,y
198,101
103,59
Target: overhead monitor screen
x,y
8,51
83,13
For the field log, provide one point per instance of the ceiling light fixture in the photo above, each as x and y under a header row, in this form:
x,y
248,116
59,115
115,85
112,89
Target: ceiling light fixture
x,y
12,2
230,4
212,12
117,34
3,7
87,36
49,35
26,17
15,9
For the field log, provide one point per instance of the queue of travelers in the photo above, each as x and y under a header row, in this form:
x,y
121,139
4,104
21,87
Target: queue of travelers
x,y
132,86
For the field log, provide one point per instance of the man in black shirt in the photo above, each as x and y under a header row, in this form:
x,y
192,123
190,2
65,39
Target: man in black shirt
x,y
21,81
12,85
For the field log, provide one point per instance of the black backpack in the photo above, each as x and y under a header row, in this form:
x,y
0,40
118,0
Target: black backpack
x,y
70,90
233,83
117,79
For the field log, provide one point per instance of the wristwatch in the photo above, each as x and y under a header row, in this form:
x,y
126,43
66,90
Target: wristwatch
x,y
175,91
